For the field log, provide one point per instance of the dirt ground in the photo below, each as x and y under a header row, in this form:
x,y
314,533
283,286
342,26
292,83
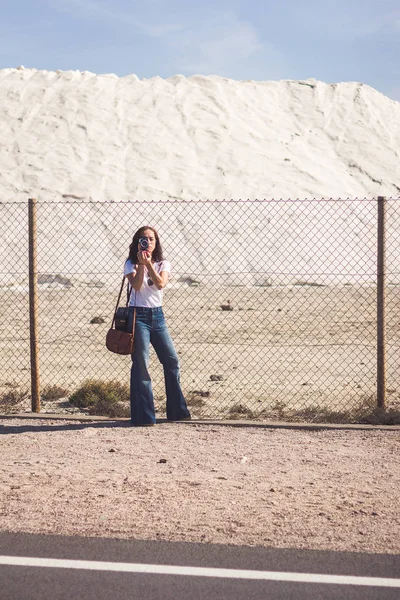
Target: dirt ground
x,y
291,346
298,346
327,489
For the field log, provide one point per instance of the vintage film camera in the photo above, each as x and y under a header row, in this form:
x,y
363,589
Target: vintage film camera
x,y
143,244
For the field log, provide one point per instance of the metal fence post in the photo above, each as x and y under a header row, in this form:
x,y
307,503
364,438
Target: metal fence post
x,y
381,324
33,308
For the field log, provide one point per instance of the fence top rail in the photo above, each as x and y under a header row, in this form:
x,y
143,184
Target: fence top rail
x,y
73,200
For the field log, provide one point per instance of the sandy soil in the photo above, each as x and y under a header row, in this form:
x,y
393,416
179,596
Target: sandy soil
x,y
298,346
334,490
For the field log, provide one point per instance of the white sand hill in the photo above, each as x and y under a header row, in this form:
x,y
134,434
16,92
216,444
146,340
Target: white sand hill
x,y
66,136
106,137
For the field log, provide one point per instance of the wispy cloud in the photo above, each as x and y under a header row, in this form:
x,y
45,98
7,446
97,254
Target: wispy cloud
x,y
83,8
221,39
205,41
103,12
348,18
222,44
161,30
382,23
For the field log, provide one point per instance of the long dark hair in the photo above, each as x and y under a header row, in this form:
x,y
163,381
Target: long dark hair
x,y
157,255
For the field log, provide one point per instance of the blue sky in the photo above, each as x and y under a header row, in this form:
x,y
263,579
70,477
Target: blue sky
x,y
340,40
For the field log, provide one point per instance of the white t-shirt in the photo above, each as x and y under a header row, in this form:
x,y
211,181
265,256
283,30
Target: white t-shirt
x,y
148,295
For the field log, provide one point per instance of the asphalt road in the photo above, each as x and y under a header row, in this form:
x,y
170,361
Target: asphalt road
x,y
193,571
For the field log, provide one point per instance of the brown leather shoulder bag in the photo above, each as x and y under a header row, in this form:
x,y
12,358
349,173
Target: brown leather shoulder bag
x,y
121,341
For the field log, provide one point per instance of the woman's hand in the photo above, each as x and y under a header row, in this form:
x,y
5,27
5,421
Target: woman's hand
x,y
144,258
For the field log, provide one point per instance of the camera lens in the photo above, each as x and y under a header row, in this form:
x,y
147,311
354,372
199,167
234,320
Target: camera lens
x,y
143,243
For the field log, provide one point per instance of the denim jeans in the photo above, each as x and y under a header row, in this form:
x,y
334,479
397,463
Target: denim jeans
x,y
151,329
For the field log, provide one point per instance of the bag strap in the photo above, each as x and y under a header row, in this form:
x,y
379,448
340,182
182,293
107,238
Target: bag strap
x,y
128,294
134,321
119,297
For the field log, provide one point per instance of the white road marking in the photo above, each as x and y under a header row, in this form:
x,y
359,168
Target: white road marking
x,y
27,561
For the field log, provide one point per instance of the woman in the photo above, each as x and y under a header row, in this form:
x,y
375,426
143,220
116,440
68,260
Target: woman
x,y
148,274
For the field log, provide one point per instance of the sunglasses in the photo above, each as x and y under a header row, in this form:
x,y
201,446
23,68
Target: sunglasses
x,y
150,282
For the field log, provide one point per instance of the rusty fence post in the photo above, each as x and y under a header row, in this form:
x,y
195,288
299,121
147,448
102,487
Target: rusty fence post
x,y
381,316
33,308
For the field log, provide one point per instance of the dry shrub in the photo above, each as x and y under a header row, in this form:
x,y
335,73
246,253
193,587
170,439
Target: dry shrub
x,y
103,398
53,392
365,412
240,411
11,399
194,399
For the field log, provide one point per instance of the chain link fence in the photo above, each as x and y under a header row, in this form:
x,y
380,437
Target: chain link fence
x,y
272,304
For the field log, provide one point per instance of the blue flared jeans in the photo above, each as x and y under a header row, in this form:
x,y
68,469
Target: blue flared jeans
x,y
151,329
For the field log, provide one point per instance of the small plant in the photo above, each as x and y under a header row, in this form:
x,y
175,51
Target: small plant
x,y
379,416
238,411
110,407
365,412
97,320
315,414
280,408
227,306
195,399
12,398
107,398
53,392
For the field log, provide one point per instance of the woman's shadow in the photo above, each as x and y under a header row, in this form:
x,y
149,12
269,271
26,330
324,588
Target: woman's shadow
x,y
109,424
